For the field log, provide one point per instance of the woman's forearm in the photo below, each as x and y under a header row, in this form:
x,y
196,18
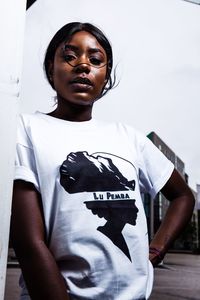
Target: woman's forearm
x,y
41,274
27,231
177,217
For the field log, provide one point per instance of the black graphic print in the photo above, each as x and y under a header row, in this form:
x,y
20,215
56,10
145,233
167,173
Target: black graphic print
x,y
117,213
97,173
82,172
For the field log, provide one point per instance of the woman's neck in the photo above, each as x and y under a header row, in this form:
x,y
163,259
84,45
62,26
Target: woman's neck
x,y
72,112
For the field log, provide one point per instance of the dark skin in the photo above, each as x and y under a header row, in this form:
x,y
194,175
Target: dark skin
x,y
178,214
75,102
39,268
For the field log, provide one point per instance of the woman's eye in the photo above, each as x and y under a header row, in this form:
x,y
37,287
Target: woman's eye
x,y
95,61
69,57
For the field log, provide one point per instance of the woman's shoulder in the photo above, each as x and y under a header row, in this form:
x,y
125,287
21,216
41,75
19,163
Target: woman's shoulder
x,y
126,132
27,122
131,131
35,119
31,116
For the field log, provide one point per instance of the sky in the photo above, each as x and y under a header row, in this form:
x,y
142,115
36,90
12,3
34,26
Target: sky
x,y
156,45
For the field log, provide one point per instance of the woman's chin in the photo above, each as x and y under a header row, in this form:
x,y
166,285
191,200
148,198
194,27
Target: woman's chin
x,y
77,99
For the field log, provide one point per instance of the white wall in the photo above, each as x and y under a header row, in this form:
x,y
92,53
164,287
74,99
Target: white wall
x,y
156,45
11,37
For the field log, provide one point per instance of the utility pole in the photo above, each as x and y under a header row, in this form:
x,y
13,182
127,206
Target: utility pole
x,y
12,23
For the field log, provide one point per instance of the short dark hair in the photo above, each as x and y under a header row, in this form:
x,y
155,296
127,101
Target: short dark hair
x,y
65,33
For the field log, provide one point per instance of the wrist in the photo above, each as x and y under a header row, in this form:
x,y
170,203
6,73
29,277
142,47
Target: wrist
x,y
157,252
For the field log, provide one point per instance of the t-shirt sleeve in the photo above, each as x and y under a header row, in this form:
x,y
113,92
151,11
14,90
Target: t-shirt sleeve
x,y
155,168
25,165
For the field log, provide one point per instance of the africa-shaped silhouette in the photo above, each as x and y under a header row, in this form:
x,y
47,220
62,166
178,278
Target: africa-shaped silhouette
x,y
82,172
117,213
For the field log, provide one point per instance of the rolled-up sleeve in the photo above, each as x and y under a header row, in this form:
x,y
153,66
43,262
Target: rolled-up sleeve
x,y
25,165
155,168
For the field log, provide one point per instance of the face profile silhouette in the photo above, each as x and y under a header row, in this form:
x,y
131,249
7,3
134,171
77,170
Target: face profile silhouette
x,y
83,172
117,213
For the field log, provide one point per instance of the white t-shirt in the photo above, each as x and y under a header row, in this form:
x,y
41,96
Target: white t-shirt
x,y
90,175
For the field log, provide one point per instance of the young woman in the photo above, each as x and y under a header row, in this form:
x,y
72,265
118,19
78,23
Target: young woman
x,y
78,224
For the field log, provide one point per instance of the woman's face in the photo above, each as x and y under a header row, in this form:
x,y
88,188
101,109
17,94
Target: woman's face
x,y
79,69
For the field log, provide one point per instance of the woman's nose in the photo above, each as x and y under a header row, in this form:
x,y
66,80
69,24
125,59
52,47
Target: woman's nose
x,y
82,64
82,67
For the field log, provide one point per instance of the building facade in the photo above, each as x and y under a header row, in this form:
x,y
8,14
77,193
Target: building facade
x,y
156,209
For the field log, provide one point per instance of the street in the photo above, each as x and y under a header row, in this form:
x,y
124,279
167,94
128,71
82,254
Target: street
x,y
177,279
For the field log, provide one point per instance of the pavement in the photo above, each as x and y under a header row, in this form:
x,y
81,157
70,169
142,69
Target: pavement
x,y
178,278
12,290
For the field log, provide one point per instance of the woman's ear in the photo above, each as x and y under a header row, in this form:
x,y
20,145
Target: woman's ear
x,y
108,74
106,79
105,82
50,71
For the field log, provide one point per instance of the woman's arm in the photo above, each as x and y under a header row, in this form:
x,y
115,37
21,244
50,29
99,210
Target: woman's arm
x,y
41,274
177,217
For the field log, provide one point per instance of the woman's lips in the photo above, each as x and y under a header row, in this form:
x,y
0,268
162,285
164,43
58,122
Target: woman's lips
x,y
81,84
82,80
